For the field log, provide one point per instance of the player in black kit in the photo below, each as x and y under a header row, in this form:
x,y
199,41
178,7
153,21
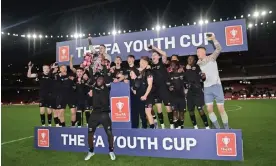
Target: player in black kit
x,y
117,72
44,93
161,91
176,86
82,86
137,106
100,115
64,92
195,96
142,87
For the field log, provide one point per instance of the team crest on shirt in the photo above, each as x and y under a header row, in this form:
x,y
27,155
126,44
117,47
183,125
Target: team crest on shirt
x,y
181,77
158,67
109,74
193,68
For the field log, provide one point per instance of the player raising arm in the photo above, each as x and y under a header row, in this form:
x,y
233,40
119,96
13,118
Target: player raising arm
x,y
212,85
100,115
44,92
161,92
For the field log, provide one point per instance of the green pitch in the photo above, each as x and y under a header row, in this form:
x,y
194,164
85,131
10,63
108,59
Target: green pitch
x,y
256,118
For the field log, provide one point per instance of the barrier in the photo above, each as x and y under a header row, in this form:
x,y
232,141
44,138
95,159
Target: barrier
x,y
168,143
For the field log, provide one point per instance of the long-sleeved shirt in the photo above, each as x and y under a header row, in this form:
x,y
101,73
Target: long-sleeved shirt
x,y
209,66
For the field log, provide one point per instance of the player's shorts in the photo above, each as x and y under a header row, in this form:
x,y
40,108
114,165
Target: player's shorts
x,y
162,94
44,100
61,101
214,92
149,102
52,101
179,104
83,105
72,101
97,118
195,99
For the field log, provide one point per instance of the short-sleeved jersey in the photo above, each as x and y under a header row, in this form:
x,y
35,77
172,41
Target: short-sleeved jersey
x,y
176,84
141,82
64,85
160,74
101,101
193,77
46,83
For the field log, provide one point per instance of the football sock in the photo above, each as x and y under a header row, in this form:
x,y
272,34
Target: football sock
x,y
78,117
42,119
193,118
170,116
50,118
56,120
204,119
182,124
63,124
214,120
224,119
87,115
160,117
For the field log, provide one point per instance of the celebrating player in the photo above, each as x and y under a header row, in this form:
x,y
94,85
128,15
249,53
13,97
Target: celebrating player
x,y
162,93
143,86
100,115
176,86
117,71
137,106
195,96
212,85
44,93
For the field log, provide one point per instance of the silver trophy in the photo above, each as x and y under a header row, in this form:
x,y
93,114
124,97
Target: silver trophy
x,y
226,141
63,51
233,32
43,135
120,106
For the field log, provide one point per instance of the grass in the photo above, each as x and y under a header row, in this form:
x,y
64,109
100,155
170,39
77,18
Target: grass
x,y
256,118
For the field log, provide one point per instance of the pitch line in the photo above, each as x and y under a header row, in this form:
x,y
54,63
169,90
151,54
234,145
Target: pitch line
x,y
237,108
16,140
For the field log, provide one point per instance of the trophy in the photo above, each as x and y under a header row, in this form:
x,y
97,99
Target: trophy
x,y
226,141
120,106
43,135
63,51
233,32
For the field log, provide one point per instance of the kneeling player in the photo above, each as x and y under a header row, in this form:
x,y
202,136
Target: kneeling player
x,y
100,115
176,86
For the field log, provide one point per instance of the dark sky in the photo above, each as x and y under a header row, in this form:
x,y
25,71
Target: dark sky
x,y
93,16
55,17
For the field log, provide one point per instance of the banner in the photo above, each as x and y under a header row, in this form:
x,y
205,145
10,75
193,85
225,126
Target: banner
x,y
120,105
182,40
168,143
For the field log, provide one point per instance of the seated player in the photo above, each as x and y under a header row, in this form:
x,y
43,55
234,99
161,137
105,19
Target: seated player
x,y
176,87
142,87
100,115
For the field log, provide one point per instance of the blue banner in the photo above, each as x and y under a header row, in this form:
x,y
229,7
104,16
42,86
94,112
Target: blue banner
x,y
181,40
168,143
